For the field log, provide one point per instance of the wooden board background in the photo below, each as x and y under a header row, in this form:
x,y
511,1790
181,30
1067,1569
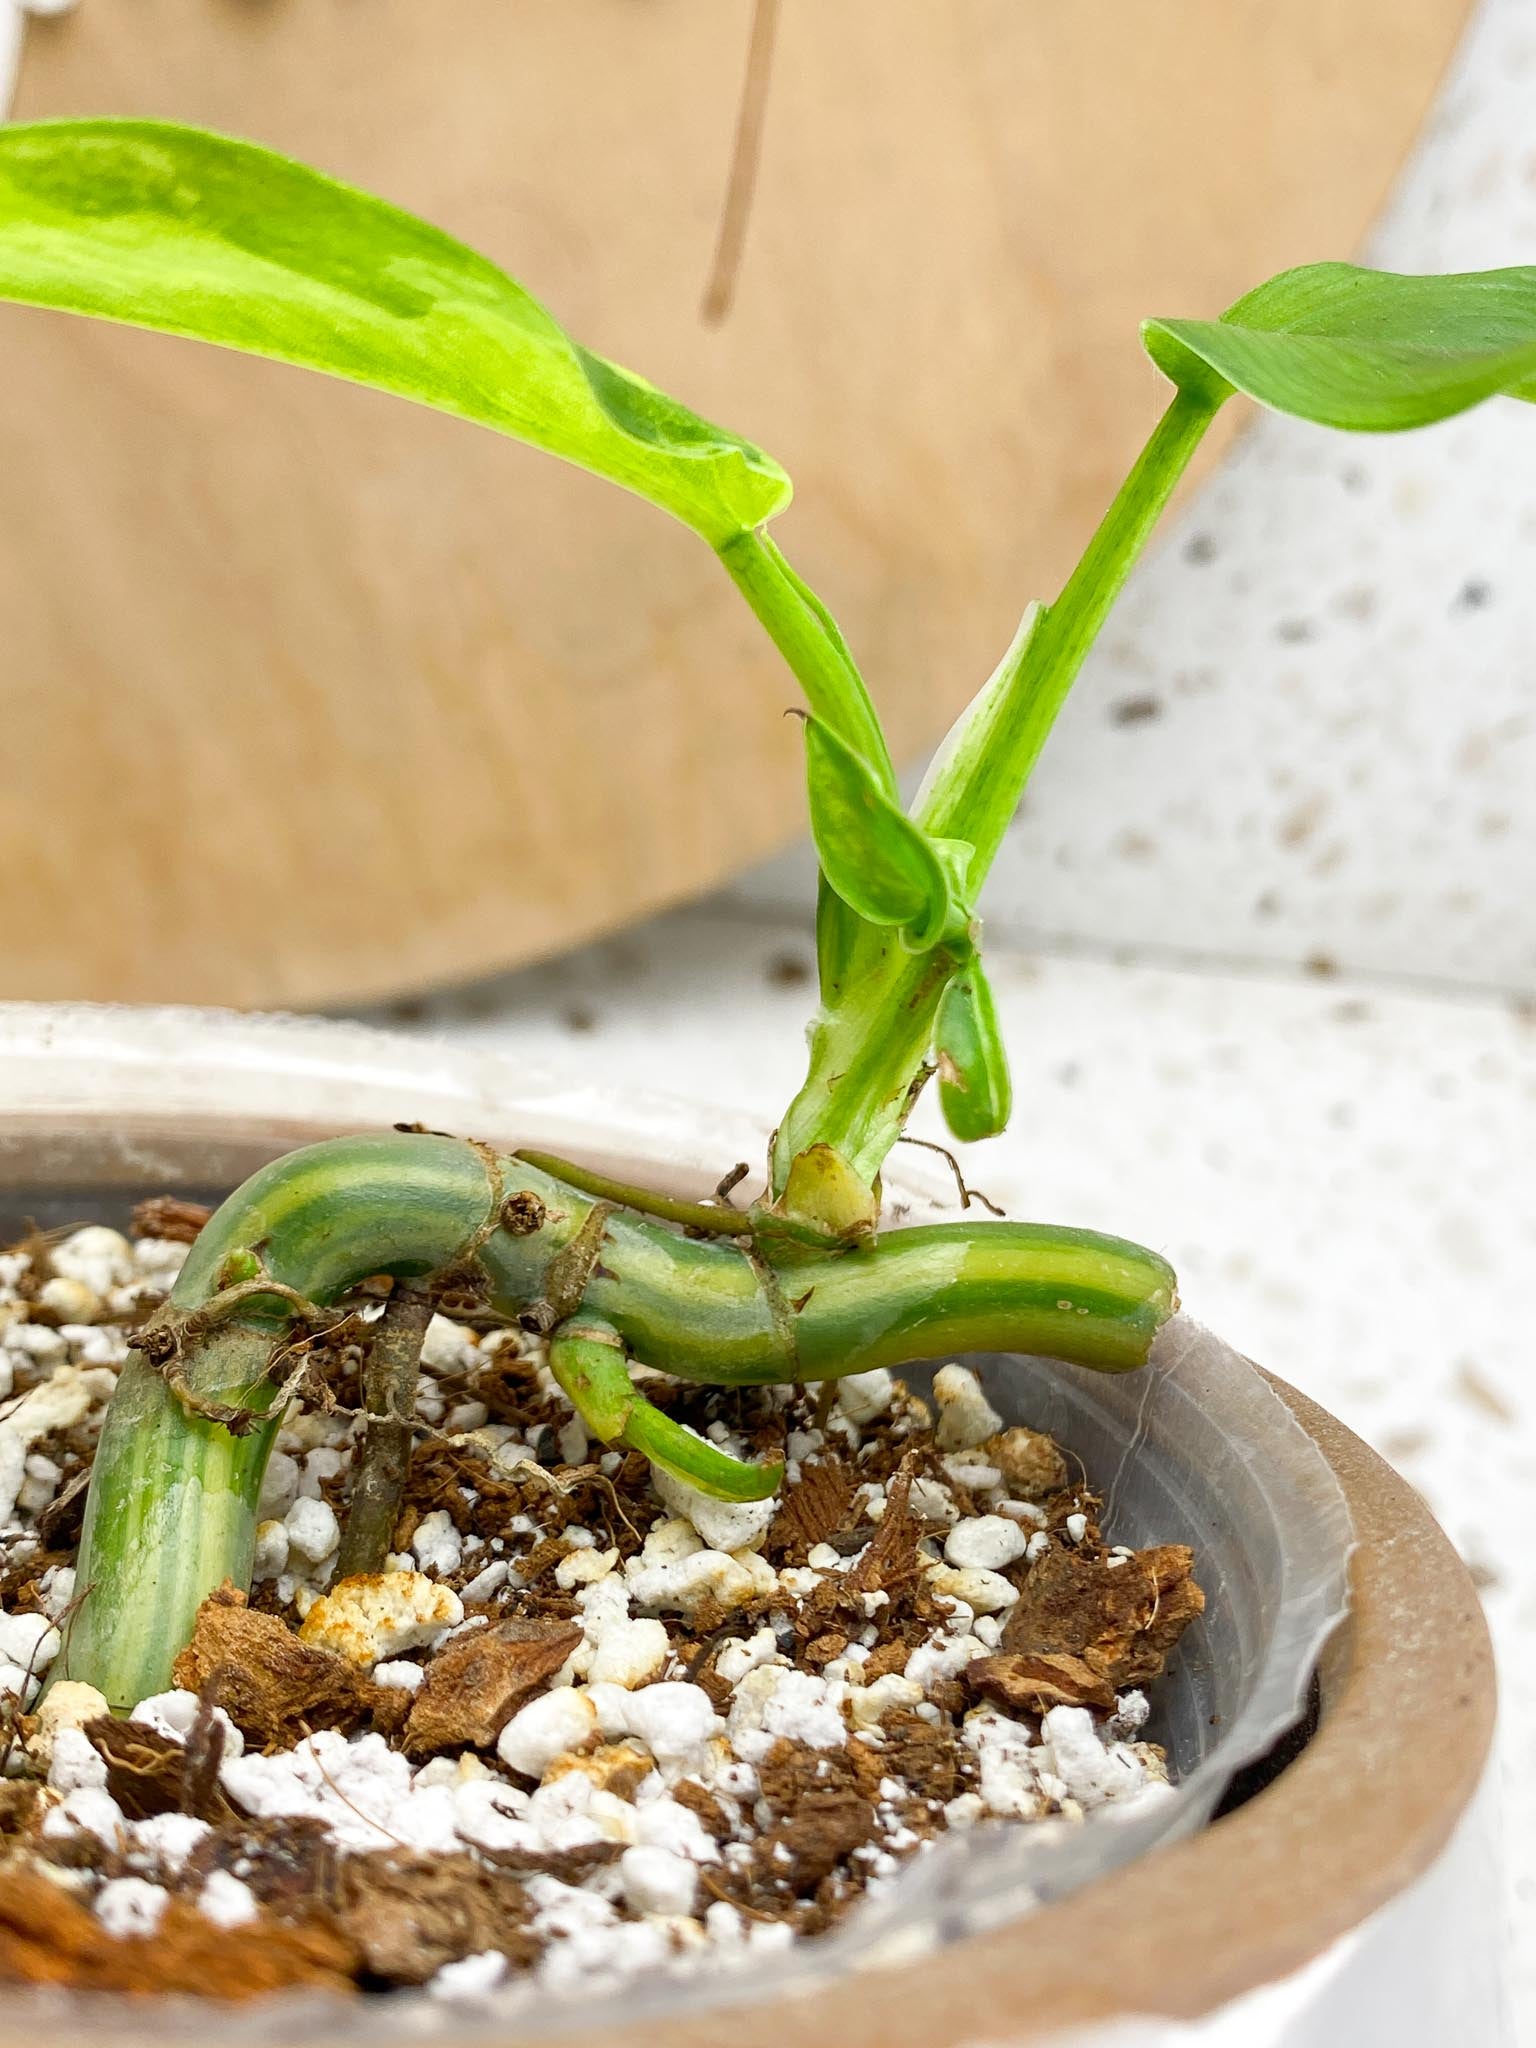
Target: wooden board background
x,y
308,695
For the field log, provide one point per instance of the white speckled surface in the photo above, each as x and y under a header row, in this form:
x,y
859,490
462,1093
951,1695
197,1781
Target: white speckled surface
x,y
1340,1171
1311,727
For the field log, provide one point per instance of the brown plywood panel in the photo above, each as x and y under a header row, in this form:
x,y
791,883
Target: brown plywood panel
x,y
308,694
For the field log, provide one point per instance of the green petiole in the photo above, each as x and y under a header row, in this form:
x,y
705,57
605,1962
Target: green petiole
x,y
587,1358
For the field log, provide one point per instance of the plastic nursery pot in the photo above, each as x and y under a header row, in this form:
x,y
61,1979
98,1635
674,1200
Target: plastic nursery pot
x,y
1359,1874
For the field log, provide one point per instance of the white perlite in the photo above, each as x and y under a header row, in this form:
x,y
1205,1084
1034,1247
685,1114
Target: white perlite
x,y
313,1530
376,1616
865,1396
470,1977
629,1654
436,1543
623,1753
671,1719
401,1677
657,1881
95,1257
226,1901
727,1525
65,1398
986,1542
30,1642
966,1416
64,1711
559,1721
131,1906
983,1592
676,1574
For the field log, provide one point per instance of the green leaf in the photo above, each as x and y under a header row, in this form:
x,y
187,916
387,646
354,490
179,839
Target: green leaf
x,y
1368,350
975,1091
872,854
189,233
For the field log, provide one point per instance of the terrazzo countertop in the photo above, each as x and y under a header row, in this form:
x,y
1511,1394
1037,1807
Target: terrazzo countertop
x,y
1339,1169
1309,731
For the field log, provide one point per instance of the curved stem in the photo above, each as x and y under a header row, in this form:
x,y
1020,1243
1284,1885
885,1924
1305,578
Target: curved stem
x,y
810,640
171,1512
586,1358
173,1499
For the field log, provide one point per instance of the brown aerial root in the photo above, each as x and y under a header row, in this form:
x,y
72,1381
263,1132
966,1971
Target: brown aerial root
x,y
391,1369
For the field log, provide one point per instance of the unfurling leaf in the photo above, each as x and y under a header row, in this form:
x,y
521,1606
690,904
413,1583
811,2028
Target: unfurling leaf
x,y
189,233
975,1091
874,857
1369,350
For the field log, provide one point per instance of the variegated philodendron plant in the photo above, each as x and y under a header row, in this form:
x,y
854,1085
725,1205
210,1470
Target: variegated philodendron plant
x,y
193,234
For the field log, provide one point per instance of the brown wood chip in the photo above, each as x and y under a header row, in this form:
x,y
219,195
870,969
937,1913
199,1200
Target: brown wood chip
x,y
1031,1462
1121,1619
702,1803
474,1686
409,1914
18,1804
811,1511
1029,1684
269,1682
49,1937
168,1216
803,1849
892,1553
150,1773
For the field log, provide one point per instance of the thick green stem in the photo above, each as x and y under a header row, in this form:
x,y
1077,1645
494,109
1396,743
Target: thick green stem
x,y
172,1507
171,1511
868,1046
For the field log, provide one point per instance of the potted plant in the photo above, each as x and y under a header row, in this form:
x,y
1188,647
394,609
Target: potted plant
x,y
321,1276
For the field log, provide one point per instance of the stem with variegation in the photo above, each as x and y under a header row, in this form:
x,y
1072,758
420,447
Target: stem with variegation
x,y
173,1498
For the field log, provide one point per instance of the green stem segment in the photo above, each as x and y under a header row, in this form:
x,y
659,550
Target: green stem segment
x,y
173,1501
871,1041
981,810
809,639
586,1356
